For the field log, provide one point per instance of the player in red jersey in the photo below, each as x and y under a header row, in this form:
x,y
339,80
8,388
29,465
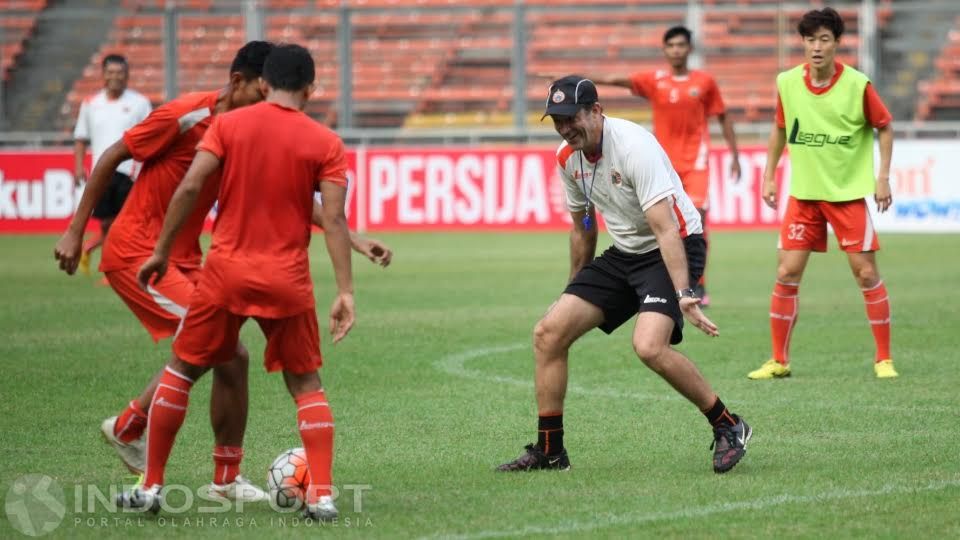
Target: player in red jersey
x,y
683,100
166,143
273,158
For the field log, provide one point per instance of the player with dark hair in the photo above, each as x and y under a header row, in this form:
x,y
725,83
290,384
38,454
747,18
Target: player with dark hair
x,y
166,143
831,111
683,100
273,157
103,118
618,168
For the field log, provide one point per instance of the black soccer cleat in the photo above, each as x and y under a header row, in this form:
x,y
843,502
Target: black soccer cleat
x,y
534,458
729,445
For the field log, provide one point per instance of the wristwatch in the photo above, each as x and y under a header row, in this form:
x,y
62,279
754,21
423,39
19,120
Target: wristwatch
x,y
686,293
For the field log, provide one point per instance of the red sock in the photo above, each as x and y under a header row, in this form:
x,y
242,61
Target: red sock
x,y
783,315
878,313
167,411
131,423
226,464
316,430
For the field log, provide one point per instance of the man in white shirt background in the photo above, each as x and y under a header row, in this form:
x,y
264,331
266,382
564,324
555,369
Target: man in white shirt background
x,y
103,118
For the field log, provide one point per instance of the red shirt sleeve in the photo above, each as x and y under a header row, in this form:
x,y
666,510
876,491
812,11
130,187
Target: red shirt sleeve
x,y
152,136
333,168
212,141
780,119
642,83
712,100
874,109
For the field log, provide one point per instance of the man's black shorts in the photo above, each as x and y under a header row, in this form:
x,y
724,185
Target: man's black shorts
x,y
112,200
624,284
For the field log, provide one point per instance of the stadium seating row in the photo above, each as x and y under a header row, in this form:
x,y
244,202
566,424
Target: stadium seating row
x,y
17,24
436,67
940,95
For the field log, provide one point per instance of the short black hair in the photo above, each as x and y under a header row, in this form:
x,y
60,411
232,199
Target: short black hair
x,y
250,59
289,67
675,31
825,18
114,59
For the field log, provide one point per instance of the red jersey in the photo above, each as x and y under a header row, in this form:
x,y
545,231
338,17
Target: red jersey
x,y
273,159
874,109
165,142
681,107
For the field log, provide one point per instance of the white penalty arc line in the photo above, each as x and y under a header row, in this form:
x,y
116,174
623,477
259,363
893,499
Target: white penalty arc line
x,y
611,520
455,364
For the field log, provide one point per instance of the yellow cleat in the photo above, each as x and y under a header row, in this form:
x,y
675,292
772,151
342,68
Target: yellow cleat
x,y
84,264
771,369
884,369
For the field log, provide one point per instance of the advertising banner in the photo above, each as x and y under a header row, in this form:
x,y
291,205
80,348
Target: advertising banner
x,y
515,188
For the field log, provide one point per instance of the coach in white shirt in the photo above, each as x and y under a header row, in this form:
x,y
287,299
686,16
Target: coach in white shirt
x,y
103,118
619,168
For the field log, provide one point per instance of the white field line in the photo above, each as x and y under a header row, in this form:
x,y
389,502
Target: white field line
x,y
695,512
456,364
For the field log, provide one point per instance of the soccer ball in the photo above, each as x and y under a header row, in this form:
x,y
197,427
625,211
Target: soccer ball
x,y
288,478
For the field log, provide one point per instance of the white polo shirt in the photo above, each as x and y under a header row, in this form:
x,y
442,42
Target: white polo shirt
x,y
102,121
632,175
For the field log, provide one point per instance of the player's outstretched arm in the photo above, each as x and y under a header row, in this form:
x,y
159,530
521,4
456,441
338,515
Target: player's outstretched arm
x,y
182,203
337,237
67,250
778,139
613,80
884,195
660,218
583,241
371,248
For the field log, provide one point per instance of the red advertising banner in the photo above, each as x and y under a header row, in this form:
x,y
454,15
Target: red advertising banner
x,y
37,194
408,189
465,189
736,203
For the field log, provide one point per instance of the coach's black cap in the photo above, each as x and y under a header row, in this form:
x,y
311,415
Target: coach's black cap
x,y
568,94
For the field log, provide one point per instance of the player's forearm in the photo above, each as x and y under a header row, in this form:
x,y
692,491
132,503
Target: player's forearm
x,y
583,247
356,241
97,184
185,199
730,136
617,80
674,256
338,239
79,153
885,136
182,203
775,145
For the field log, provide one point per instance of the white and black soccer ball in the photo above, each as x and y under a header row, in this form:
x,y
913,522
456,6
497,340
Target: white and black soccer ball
x,y
288,478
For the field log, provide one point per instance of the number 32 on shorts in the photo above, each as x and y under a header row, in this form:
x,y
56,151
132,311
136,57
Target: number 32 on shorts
x,y
796,231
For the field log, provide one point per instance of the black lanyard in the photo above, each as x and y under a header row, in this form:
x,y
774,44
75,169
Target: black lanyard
x,y
593,181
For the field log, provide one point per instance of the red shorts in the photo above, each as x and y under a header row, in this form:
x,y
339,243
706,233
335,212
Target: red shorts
x,y
162,306
804,226
697,185
210,333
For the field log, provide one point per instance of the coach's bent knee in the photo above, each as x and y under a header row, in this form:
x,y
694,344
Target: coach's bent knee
x,y
548,337
651,352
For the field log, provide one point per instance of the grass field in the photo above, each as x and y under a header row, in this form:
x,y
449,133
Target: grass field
x,y
433,389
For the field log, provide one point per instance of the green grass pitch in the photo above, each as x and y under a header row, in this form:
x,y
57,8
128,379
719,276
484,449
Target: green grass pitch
x,y
433,389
